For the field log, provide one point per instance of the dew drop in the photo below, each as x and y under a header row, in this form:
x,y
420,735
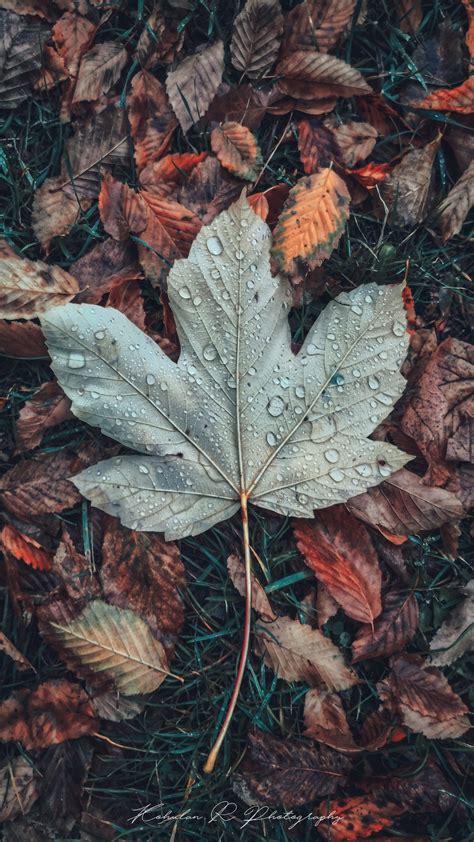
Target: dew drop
x,y
99,334
276,406
150,379
356,372
364,470
76,360
331,455
311,349
387,400
197,301
373,382
214,245
143,469
271,439
239,254
299,391
226,295
336,475
331,335
184,292
368,299
209,353
357,310
398,329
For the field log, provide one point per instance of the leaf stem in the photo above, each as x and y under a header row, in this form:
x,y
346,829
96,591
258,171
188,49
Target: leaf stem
x,y
211,760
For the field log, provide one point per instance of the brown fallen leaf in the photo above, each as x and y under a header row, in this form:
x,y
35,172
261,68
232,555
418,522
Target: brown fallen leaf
x,y
109,704
256,37
75,571
142,572
416,791
160,41
237,150
325,721
51,713
317,24
438,404
456,635
193,84
48,408
404,505
452,211
21,47
356,817
30,287
307,74
288,772
128,299
339,550
406,190
326,606
99,69
105,266
22,340
316,145
25,549
242,104
208,190
166,176
423,699
392,630
152,121
72,35
18,788
355,142
311,223
54,212
459,100
64,768
10,649
296,652
260,602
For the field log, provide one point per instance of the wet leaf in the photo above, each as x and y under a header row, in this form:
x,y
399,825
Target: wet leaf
x,y
307,74
237,150
193,84
99,69
48,408
317,24
312,221
392,630
18,788
30,287
152,121
188,477
452,211
256,37
260,602
51,713
340,552
288,772
296,652
456,635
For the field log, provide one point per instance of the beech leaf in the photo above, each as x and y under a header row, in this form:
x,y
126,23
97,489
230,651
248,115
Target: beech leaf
x,y
193,84
256,37
456,635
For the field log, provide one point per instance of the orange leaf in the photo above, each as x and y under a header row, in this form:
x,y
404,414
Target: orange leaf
x,y
356,818
236,149
460,99
371,175
315,144
258,202
163,177
152,121
339,550
25,549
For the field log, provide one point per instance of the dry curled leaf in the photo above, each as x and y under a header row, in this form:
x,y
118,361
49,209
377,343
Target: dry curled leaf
x,y
18,788
152,121
453,210
193,84
260,602
355,141
392,630
312,221
48,408
256,37
51,713
340,552
99,69
307,74
29,287
236,149
296,652
456,635
317,24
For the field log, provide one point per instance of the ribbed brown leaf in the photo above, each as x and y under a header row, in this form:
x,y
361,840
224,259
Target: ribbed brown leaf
x,y
237,150
21,44
64,769
18,788
100,141
165,176
307,74
404,505
22,340
316,145
288,772
311,222
455,207
339,550
99,69
355,142
152,121
209,190
256,37
28,288
406,190
51,713
296,652
460,100
392,630
54,212
260,602
317,24
193,84
41,484
48,408
456,635
113,643
325,721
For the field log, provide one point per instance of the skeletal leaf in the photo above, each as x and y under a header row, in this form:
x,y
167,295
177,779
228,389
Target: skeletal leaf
x,y
108,640
456,635
28,288
193,84
100,68
236,149
256,37
239,411
455,207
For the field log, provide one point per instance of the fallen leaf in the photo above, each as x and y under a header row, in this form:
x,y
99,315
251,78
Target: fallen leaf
x,y
296,652
48,408
256,37
51,713
128,299
406,190
288,772
21,46
25,549
105,642
64,769
152,121
259,599
142,572
423,698
459,100
355,141
456,635
237,150
160,40
307,74
209,190
99,69
259,204
392,630
54,212
410,15
356,817
105,266
405,505
242,104
165,176
72,35
22,663
325,721
371,175
326,606
193,84
453,210
316,145
74,570
18,788
317,24
116,708
314,107
340,552
30,287
312,221
22,340
438,404
416,791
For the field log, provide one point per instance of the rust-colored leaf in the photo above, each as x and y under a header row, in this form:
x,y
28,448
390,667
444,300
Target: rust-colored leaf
x,y
459,100
19,788
160,41
288,772
25,548
22,340
237,150
256,37
392,630
325,721
259,204
28,288
260,602
128,299
54,212
360,817
152,121
165,176
193,84
312,221
99,69
316,145
355,142
317,23
307,74
339,550
371,174
106,265
55,711
72,35
269,204
48,408
209,190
